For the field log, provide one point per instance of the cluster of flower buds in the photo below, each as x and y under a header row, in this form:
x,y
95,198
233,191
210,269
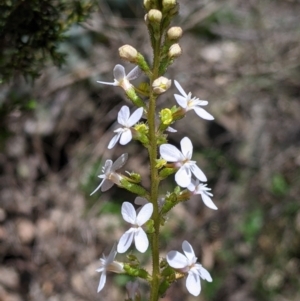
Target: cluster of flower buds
x,y
150,128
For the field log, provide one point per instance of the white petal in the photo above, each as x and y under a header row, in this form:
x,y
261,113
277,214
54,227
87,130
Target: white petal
x,y
183,176
193,284
186,147
191,186
126,137
171,130
203,114
176,260
111,255
114,140
208,201
125,241
144,214
119,162
170,153
197,102
107,166
140,201
180,89
181,100
106,83
128,213
189,252
98,187
134,73
135,117
141,240
123,115
119,72
107,184
205,274
198,173
102,281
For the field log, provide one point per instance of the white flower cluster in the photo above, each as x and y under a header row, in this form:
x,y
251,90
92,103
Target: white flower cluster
x,y
188,176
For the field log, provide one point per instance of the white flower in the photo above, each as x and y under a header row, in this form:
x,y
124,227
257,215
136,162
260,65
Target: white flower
x,y
135,232
183,161
188,103
108,264
198,188
121,79
124,134
109,176
187,264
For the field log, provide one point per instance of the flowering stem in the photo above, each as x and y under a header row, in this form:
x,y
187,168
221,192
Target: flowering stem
x,y
152,149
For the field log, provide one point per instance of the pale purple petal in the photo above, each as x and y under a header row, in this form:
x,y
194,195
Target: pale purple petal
x,y
98,186
170,153
144,214
191,186
102,281
135,117
183,176
107,83
123,115
181,100
197,102
128,213
186,147
125,241
208,201
140,201
114,140
193,284
107,166
189,252
180,89
141,240
203,114
119,162
171,130
119,72
126,137
110,258
134,73
107,184
176,260
198,173
205,274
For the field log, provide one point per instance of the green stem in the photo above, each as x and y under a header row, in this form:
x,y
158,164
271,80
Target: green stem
x,y
154,177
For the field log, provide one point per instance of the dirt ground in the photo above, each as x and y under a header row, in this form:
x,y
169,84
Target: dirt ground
x,y
242,56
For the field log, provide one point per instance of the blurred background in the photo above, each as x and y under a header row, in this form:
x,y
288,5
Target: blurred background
x,y
56,122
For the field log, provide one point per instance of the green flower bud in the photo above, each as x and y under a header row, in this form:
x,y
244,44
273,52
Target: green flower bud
x,y
167,172
166,116
169,4
134,177
160,163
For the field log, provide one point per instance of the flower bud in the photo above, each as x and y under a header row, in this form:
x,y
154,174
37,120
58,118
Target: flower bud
x,y
174,33
169,4
166,116
128,53
174,51
161,85
154,15
147,4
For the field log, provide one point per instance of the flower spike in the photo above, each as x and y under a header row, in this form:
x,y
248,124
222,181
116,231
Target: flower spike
x,y
124,134
188,103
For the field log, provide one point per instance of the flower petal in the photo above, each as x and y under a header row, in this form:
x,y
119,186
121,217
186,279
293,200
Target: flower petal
x,y
183,176
107,184
134,73
181,100
126,136
144,214
123,115
140,201
125,241
203,114
119,72
208,201
135,117
106,83
170,153
193,284
189,252
176,260
110,258
107,166
128,213
198,173
205,274
141,240
102,281
180,89
186,147
114,140
98,186
119,162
